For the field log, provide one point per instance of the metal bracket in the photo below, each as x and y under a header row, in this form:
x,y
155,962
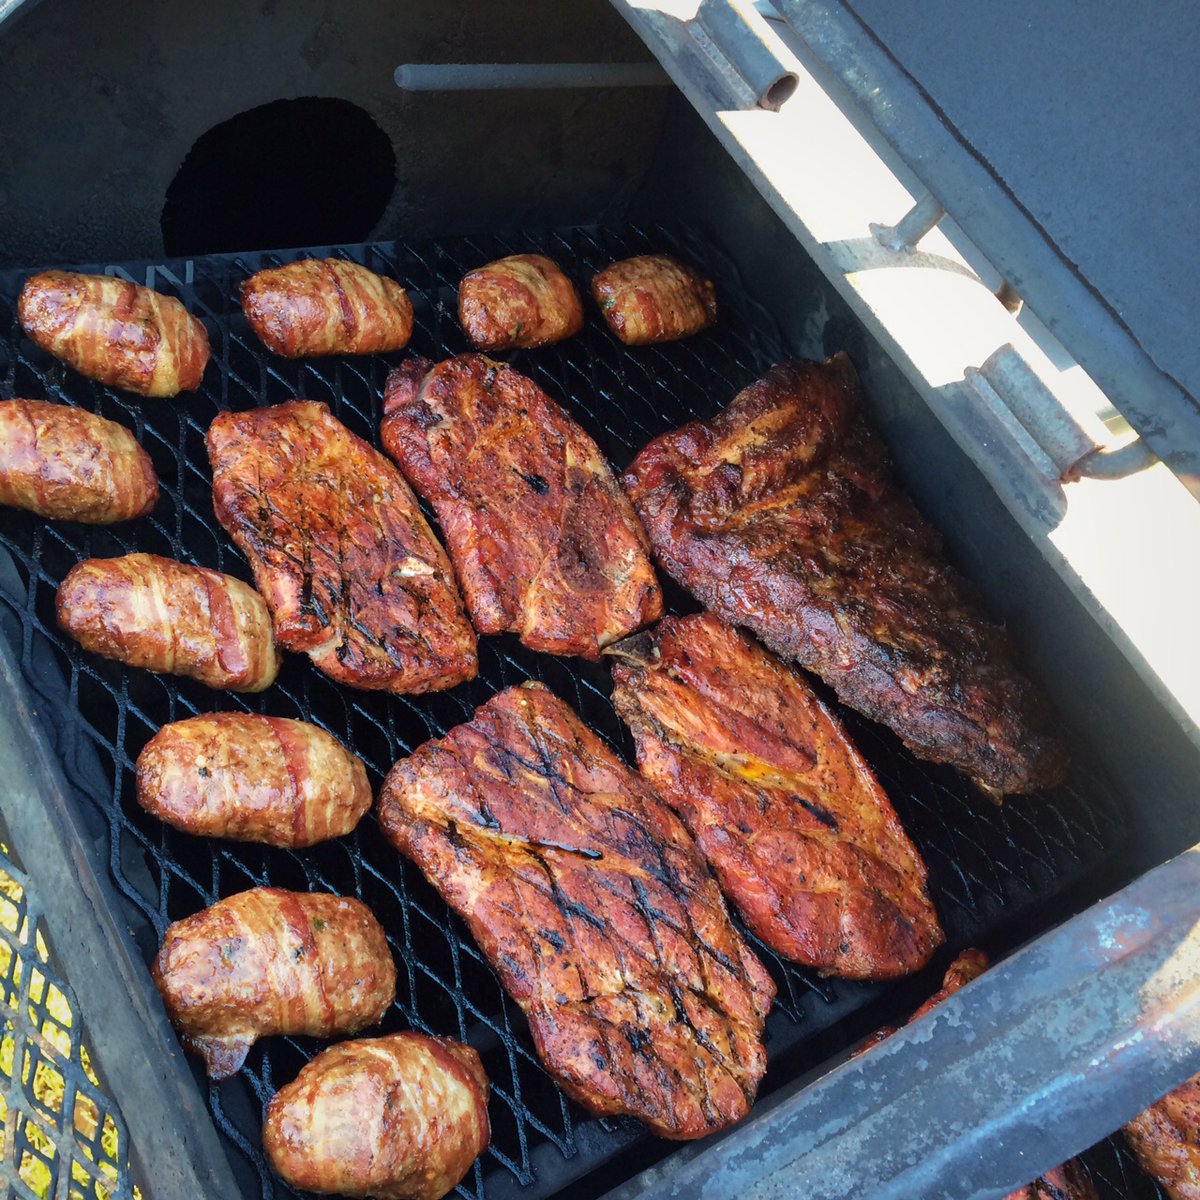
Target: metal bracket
x,y
1057,442
912,227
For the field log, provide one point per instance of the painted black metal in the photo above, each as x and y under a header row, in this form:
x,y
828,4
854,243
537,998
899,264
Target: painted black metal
x,y
1029,1065
998,873
1136,365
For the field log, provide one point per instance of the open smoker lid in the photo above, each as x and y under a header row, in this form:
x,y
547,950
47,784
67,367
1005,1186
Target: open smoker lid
x,y
1058,138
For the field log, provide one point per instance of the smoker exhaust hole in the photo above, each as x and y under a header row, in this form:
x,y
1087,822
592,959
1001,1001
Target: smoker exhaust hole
x,y
307,172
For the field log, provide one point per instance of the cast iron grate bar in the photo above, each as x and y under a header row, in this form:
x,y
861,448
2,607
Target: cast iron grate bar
x,y
987,864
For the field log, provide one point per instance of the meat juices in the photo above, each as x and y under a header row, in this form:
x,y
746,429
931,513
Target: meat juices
x,y
170,617
594,907
803,839
544,541
253,779
70,465
326,306
654,298
348,565
517,303
399,1118
116,332
268,962
781,514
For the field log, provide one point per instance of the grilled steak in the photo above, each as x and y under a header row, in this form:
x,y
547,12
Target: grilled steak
x,y
349,567
544,540
781,514
654,298
798,830
594,907
1166,1140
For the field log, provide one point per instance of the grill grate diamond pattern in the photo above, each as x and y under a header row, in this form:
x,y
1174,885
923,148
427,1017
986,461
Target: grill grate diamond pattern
x,y
986,863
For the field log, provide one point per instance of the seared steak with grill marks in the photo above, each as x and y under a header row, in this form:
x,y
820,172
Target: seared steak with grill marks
x,y
781,514
594,907
798,830
349,567
545,542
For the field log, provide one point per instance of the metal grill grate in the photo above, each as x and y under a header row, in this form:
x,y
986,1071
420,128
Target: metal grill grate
x,y
988,865
63,1137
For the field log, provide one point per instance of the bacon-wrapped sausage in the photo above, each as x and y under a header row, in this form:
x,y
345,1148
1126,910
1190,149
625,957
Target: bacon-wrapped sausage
x,y
517,303
252,778
65,463
654,298
327,306
166,616
399,1118
117,332
268,962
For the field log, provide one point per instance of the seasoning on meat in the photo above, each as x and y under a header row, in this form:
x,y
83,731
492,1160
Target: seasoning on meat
x,y
1067,1182
327,306
544,541
114,331
351,571
1166,1140
170,617
781,514
70,465
267,962
253,779
398,1118
594,907
802,838
517,303
654,298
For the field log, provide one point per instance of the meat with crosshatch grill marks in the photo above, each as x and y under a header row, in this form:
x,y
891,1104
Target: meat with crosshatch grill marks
x,y
802,838
545,542
593,905
348,565
781,514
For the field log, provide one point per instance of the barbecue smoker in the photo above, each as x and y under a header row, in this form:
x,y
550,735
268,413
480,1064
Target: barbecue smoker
x,y
983,218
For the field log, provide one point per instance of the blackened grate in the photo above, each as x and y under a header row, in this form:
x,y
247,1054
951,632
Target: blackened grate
x,y
989,866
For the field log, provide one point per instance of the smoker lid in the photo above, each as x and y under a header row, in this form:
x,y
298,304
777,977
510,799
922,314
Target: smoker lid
x,y
1060,138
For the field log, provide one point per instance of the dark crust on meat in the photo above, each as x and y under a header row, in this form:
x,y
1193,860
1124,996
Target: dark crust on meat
x,y
348,565
781,514
545,542
594,907
1166,1140
802,837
